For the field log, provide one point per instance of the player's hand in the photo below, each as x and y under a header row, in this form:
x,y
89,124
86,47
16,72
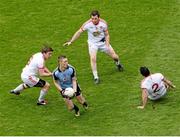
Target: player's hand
x,y
61,91
140,107
67,43
173,86
75,91
50,74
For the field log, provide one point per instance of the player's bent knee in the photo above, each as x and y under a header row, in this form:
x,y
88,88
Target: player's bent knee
x,y
93,59
115,56
47,86
25,86
70,108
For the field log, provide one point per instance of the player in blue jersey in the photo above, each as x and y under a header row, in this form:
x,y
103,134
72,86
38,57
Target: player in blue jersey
x,y
64,77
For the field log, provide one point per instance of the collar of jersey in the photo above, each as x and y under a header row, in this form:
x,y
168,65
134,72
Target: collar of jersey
x,y
64,70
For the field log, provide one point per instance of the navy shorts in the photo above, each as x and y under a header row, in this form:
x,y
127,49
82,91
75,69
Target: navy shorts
x,y
41,83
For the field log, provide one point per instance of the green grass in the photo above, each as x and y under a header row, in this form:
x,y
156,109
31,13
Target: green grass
x,y
142,32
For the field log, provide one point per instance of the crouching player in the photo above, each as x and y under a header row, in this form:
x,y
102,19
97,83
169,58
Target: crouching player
x,y
153,86
34,67
64,76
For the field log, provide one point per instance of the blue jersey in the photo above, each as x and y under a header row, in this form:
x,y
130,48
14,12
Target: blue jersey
x,y
64,78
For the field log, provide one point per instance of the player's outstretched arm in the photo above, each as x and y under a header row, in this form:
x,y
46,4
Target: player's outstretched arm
x,y
169,83
47,70
75,36
144,99
43,72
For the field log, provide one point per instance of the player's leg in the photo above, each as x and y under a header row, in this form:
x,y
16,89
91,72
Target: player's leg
x,y
94,65
110,51
82,101
27,83
19,89
44,89
93,56
166,86
71,106
80,98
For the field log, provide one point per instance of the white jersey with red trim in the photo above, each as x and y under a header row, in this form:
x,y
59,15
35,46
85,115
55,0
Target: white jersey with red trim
x,y
35,63
95,32
154,85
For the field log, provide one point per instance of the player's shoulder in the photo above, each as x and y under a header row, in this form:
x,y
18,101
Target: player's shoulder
x,y
145,80
87,22
86,25
38,54
56,70
103,21
71,67
157,75
37,58
143,83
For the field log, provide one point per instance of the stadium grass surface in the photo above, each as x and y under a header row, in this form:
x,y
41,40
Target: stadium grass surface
x,y
143,32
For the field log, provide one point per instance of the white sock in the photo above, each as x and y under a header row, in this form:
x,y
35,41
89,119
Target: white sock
x,y
117,62
41,96
95,74
19,88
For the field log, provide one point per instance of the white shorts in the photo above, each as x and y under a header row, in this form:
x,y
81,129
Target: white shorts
x,y
30,80
158,96
100,46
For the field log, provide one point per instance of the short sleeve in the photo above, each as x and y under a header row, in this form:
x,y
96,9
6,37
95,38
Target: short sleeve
x,y
161,75
143,85
40,64
105,27
54,76
84,27
73,73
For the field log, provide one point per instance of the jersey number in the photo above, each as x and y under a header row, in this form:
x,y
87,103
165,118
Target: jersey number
x,y
155,87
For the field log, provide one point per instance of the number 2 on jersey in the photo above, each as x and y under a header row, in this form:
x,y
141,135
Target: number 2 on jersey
x,y
155,87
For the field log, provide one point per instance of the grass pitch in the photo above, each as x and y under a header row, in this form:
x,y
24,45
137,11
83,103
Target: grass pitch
x,y
142,32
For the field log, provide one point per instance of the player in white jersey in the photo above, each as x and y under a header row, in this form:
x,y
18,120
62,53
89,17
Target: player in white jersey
x,y
153,86
29,75
98,40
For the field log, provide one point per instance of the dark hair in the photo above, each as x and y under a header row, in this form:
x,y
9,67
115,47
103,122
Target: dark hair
x,y
61,57
46,49
144,71
95,13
